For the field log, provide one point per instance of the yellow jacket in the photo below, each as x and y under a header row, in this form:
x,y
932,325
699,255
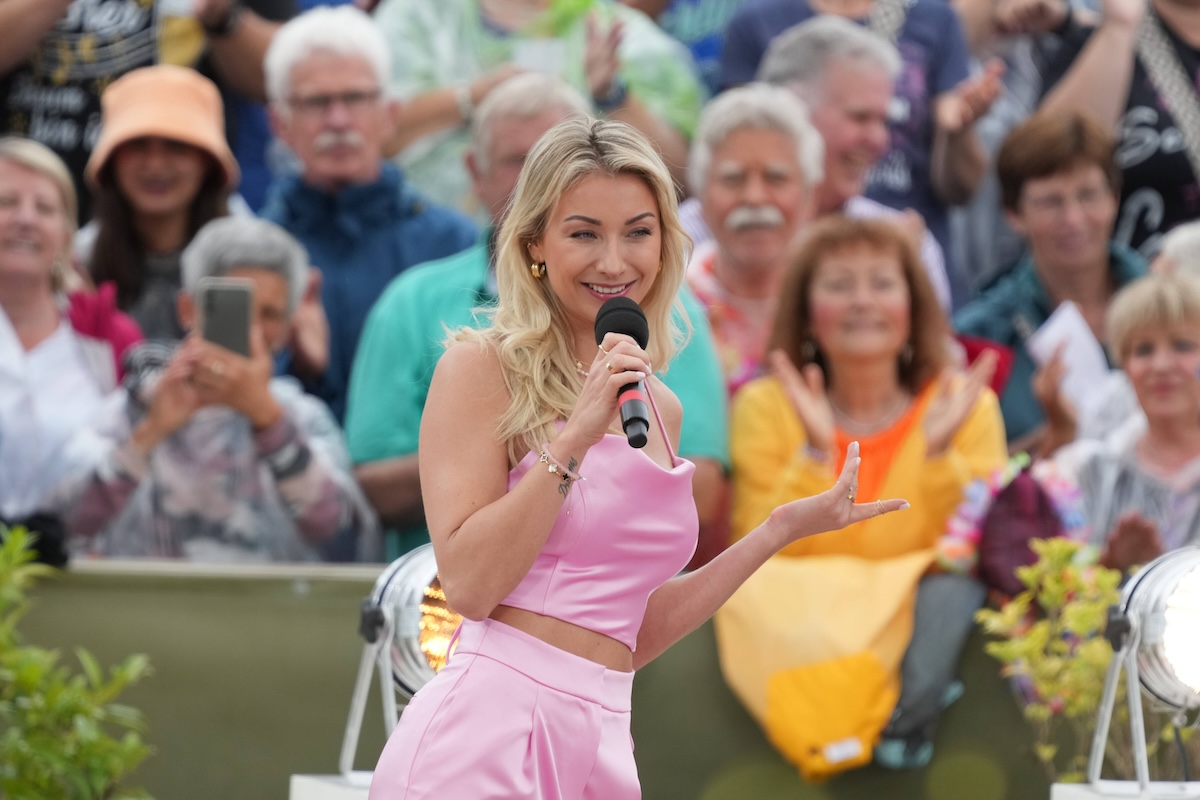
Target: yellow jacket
x,y
812,646
770,468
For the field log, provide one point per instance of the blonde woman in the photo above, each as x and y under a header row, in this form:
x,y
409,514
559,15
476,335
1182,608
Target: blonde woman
x,y
567,585
1141,483
59,353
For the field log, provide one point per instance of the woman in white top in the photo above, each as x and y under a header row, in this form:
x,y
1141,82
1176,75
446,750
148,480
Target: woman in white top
x,y
58,354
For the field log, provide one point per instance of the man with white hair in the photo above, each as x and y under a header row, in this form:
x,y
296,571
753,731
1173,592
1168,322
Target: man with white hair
x,y
404,334
360,221
845,75
754,165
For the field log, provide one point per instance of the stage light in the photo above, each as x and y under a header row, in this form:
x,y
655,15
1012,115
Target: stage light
x,y
408,628
1155,634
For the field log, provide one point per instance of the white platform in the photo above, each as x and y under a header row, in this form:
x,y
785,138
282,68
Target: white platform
x,y
1125,789
330,787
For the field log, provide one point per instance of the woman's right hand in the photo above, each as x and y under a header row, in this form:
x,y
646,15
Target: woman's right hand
x,y
618,362
1134,540
174,402
831,510
806,391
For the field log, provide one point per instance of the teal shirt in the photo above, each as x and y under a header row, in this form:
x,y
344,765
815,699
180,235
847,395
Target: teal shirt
x,y
403,340
1013,308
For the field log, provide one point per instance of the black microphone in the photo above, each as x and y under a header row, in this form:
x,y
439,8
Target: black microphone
x,y
622,315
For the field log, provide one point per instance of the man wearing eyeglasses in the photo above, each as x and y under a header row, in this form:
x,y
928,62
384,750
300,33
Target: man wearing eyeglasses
x,y
353,211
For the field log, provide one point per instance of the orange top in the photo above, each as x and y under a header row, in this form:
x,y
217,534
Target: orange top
x,y
771,467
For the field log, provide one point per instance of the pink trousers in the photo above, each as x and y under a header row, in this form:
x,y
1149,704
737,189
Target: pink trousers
x,y
511,716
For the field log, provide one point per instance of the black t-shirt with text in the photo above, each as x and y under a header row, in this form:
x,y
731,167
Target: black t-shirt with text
x,y
1159,188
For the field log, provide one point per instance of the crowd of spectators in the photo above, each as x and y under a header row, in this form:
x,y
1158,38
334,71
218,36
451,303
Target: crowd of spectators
x,y
890,202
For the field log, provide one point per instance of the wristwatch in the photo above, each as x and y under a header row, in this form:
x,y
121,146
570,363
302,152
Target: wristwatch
x,y
226,25
617,95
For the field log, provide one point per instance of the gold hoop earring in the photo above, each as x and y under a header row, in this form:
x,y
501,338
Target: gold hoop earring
x,y
538,270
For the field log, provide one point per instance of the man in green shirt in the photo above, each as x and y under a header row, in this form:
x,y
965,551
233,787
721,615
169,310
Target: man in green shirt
x,y
403,336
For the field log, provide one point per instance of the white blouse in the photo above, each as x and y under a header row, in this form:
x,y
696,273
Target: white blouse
x,y
46,395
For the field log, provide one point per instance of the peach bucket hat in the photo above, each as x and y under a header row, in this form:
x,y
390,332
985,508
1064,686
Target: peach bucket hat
x,y
168,101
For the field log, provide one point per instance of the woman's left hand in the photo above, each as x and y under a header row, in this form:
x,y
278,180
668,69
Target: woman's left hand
x,y
953,402
225,378
832,509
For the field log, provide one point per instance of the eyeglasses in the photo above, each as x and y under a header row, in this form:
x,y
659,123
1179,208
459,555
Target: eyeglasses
x,y
1087,199
318,105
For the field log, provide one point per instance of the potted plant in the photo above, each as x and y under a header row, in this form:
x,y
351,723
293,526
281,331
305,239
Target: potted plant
x,y
1050,639
62,733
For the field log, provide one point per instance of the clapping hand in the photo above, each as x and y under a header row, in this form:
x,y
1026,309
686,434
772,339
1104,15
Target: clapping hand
x,y
1134,540
806,391
832,509
1126,14
601,60
1061,418
309,338
953,401
959,109
1017,17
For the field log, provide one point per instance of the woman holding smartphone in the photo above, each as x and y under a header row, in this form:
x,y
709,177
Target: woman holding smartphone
x,y
205,455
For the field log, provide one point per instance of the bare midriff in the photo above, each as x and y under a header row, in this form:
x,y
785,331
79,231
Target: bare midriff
x,y
596,647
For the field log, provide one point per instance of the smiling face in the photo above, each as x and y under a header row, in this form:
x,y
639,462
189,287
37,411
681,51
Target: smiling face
x,y
860,305
851,114
1162,364
755,198
1067,218
159,177
34,229
602,240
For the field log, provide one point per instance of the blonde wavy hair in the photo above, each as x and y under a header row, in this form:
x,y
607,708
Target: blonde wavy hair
x,y
529,329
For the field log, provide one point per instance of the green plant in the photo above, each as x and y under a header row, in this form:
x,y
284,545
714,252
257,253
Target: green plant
x,y
1051,642
62,735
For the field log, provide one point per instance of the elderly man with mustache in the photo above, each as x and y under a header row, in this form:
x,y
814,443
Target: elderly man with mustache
x,y
754,165
361,223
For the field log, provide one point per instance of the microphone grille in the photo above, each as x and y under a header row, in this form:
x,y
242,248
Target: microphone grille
x,y
622,315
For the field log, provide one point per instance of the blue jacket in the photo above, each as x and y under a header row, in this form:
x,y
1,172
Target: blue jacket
x,y
1014,307
361,238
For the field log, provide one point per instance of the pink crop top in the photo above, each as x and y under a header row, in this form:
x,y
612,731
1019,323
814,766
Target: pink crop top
x,y
632,526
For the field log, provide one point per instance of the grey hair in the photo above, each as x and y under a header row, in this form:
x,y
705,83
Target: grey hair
x,y
344,30
522,96
229,243
800,56
1181,247
761,107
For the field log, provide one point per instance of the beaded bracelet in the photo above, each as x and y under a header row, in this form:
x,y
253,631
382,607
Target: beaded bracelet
x,y
568,476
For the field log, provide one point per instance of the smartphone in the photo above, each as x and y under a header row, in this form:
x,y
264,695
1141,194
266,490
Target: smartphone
x,y
224,306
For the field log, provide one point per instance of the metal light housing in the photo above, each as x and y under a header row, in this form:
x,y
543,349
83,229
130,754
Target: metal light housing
x,y
408,628
1155,633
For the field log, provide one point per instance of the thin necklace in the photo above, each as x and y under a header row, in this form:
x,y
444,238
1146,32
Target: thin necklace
x,y
852,425
583,373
